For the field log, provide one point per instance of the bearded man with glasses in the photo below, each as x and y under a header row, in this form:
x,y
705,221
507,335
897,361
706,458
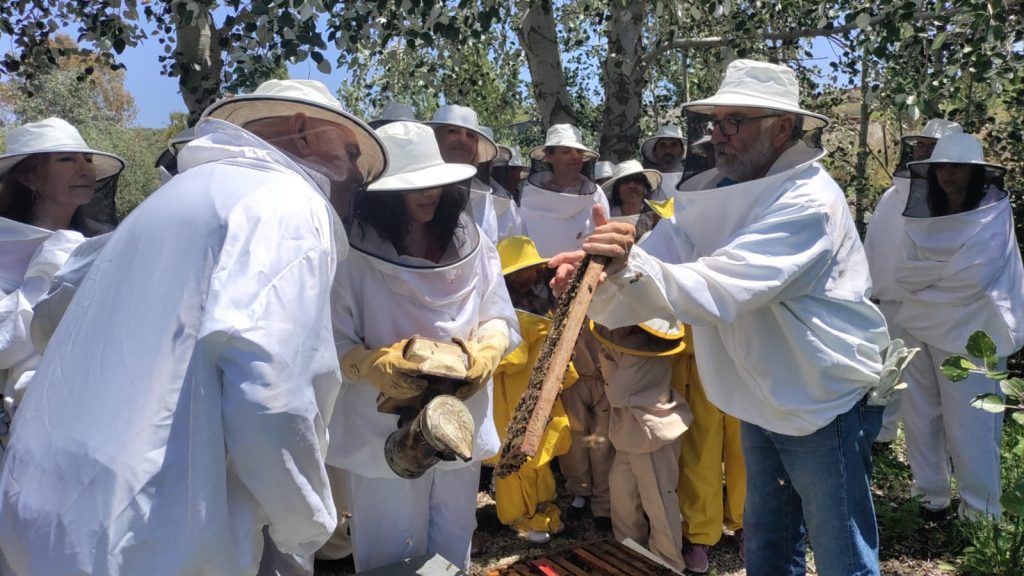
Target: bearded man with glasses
x,y
764,262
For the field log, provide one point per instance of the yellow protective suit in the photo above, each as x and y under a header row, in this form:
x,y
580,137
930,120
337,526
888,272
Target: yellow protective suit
x,y
713,439
525,500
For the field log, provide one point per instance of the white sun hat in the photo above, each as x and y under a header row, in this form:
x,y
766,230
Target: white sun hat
x,y
416,161
956,149
666,131
749,83
603,169
465,117
516,160
563,135
276,98
629,168
935,128
50,136
394,112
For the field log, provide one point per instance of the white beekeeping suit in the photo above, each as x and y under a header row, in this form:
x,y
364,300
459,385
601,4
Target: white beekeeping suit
x,y
775,225
959,272
384,297
180,407
884,235
558,219
29,255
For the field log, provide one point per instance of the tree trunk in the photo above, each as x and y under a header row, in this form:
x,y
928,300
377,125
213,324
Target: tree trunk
x,y
861,175
539,39
199,61
625,79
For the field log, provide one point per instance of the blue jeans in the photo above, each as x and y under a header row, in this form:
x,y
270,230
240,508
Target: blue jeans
x,y
821,484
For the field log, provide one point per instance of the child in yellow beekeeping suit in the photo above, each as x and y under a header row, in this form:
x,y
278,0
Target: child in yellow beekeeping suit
x,y
525,499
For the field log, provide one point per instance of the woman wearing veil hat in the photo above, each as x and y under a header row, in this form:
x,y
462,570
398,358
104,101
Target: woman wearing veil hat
x,y
959,270
48,178
885,229
420,267
557,211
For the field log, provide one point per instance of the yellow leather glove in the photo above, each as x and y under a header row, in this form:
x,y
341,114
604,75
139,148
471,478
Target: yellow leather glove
x,y
484,356
385,369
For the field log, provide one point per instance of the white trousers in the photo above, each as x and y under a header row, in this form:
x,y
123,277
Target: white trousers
x,y
941,425
394,519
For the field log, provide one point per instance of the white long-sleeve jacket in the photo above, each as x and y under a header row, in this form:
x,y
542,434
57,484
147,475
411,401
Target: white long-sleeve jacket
x,y
772,277
29,258
180,405
882,246
961,273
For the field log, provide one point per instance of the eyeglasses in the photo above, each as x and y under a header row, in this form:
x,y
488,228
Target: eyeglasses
x,y
731,126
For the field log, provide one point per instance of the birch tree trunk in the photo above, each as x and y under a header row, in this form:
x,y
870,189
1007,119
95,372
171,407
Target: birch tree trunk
x,y
199,59
624,81
538,36
861,172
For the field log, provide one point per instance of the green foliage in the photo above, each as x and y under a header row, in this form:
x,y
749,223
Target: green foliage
x,y
996,544
957,368
996,547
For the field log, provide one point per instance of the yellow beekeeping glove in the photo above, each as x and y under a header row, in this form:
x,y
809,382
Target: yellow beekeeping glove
x,y
484,353
385,369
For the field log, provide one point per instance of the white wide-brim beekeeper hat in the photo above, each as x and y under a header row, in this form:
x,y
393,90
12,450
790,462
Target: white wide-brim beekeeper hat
x,y
603,169
50,136
667,131
935,128
510,156
465,117
563,135
629,168
956,149
276,98
753,84
416,162
394,112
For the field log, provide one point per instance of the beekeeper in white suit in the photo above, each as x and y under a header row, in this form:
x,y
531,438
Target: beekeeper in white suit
x,y
764,262
958,267
48,178
885,234
180,405
555,204
463,140
419,266
665,151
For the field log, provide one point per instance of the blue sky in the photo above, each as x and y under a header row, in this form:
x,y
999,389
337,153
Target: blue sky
x,y
156,95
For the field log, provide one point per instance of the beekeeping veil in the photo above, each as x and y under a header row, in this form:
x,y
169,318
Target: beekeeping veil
x,y
415,165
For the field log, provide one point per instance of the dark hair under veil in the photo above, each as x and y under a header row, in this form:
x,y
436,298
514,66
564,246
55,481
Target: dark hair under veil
x,y
939,204
616,200
384,211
